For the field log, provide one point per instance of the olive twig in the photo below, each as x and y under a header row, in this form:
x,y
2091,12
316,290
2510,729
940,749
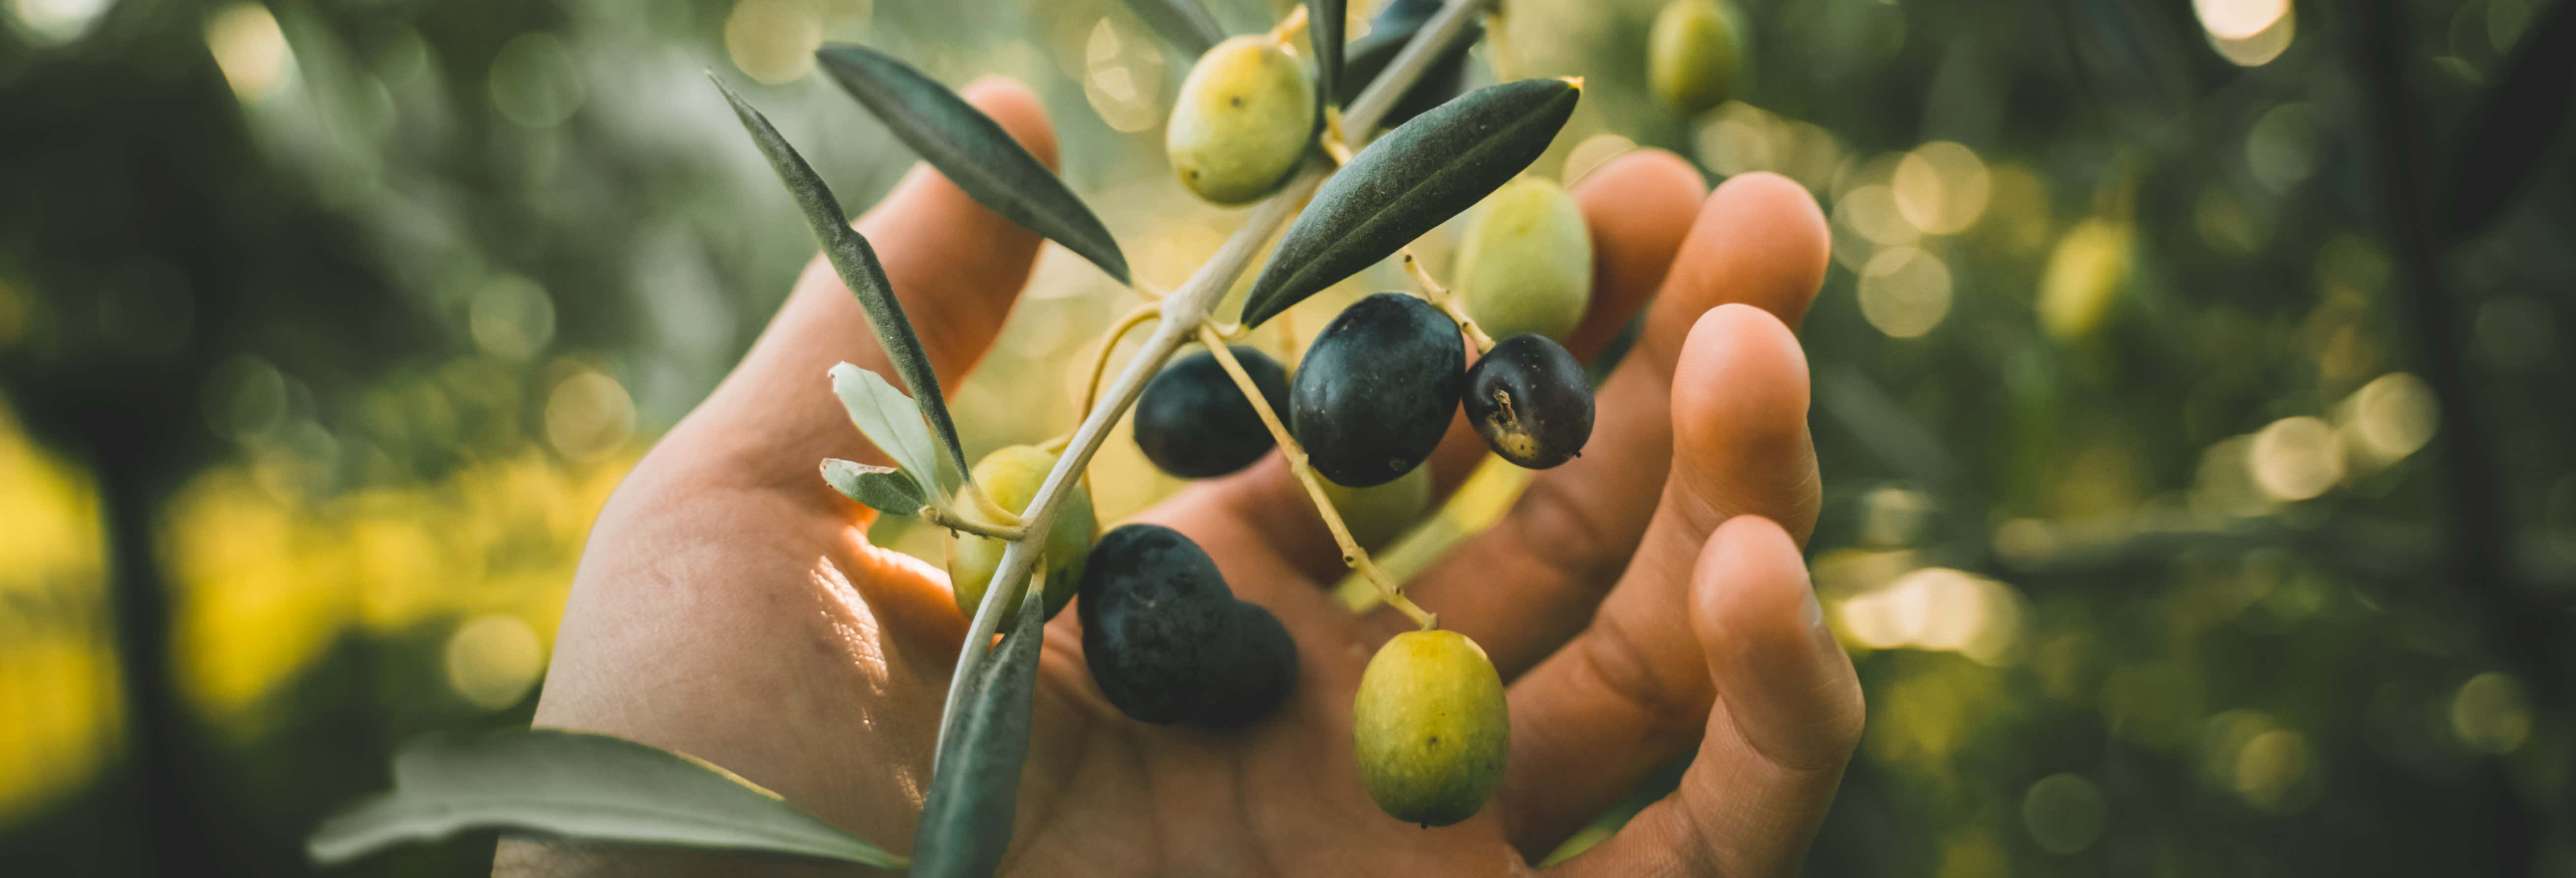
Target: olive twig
x,y
1439,296
1352,554
956,521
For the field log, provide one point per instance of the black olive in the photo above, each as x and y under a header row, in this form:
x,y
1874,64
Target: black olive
x,y
1529,399
1166,640
1377,389
1193,421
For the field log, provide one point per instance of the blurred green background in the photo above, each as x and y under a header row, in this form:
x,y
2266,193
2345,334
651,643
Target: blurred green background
x,y
2199,495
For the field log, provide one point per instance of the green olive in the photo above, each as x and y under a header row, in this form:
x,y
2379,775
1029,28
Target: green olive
x,y
1378,514
1526,263
1010,476
1692,55
1430,728
1244,119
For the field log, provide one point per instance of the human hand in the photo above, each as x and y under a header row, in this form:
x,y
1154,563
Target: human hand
x,y
1639,600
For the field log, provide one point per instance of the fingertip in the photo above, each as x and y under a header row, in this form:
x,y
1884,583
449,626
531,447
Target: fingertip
x,y
1741,383
1019,112
1639,207
1759,240
1789,687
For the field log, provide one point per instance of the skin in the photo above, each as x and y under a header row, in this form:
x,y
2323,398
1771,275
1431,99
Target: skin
x,y
1638,601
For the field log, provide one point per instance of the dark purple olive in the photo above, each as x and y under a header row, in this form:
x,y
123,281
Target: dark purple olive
x,y
1530,401
1377,389
1194,422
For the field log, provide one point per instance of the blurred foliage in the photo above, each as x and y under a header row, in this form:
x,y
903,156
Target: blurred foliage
x,y
2185,517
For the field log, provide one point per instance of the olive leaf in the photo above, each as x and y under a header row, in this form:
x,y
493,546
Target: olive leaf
x,y
1408,182
2511,126
1388,33
856,263
882,488
889,419
973,151
966,822
572,785
1324,22
1181,22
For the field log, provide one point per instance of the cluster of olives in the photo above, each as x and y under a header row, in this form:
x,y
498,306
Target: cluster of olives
x,y
1693,53
1369,402
1168,642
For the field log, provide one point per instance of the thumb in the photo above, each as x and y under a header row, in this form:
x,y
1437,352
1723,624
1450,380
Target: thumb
x,y
1787,716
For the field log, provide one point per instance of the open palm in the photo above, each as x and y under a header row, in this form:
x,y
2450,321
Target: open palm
x,y
1640,600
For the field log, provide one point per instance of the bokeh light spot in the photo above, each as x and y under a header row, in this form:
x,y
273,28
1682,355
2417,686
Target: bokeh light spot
x,y
1942,187
1905,292
2296,458
2064,813
492,660
1123,77
250,50
588,414
773,40
534,81
2491,713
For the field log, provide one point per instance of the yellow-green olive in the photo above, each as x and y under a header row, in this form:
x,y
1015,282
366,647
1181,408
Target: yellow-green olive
x,y
1430,728
1378,514
1244,119
1526,262
1692,55
1010,476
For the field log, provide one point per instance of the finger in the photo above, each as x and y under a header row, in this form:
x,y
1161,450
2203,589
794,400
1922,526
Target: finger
x,y
1773,748
1629,691
1524,586
1638,208
955,267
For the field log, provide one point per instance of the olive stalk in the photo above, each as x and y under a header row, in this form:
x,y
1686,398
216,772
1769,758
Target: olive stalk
x,y
1352,554
959,521
1448,304
1181,312
1289,28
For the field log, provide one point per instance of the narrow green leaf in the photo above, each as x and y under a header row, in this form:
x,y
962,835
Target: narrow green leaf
x,y
882,488
1408,182
889,419
585,787
1324,26
2512,126
973,151
966,822
1181,22
856,263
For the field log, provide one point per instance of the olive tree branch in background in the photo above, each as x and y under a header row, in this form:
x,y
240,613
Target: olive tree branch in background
x,y
1181,313
2476,542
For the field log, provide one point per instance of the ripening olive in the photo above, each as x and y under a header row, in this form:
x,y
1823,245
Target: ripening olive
x,y
1010,476
1194,422
1430,728
1525,264
1166,640
1692,55
1377,514
1242,122
1531,402
1377,389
